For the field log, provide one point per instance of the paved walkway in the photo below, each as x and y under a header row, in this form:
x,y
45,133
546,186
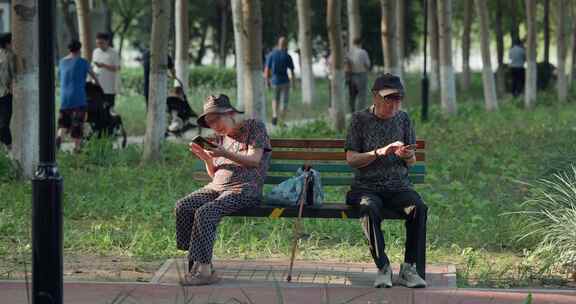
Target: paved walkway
x,y
267,273
92,293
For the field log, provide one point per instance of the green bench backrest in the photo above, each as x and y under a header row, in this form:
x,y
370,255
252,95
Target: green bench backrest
x,y
325,155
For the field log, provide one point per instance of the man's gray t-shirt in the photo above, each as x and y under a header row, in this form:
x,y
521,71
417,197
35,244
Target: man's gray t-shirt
x,y
367,132
517,56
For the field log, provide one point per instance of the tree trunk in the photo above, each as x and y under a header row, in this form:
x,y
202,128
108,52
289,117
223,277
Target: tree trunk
x,y
546,31
202,47
491,101
254,98
182,42
305,42
388,36
239,51
468,11
434,45
354,24
337,89
25,148
85,28
573,48
530,93
223,34
447,82
400,7
156,116
125,29
514,26
68,19
561,16
500,75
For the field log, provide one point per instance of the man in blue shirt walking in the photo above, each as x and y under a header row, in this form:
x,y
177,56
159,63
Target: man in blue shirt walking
x,y
278,62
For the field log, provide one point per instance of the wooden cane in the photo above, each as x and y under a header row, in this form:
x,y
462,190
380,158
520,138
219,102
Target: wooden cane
x,y
301,203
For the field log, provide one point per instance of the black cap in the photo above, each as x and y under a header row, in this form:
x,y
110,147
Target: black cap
x,y
389,84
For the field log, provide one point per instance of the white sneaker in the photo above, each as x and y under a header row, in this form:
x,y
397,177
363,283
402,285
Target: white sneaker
x,y
409,277
384,278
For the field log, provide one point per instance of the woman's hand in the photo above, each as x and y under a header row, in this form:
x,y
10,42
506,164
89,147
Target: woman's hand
x,y
199,152
219,151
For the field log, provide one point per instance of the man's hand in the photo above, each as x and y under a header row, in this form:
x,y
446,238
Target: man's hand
x,y
199,152
404,152
390,149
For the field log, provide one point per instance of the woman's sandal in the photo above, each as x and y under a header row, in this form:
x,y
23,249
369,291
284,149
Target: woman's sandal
x,y
190,279
195,271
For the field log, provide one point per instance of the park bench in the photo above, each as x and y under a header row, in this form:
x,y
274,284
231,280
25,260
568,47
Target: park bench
x,y
328,157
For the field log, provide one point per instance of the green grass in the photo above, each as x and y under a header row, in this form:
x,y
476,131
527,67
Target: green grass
x,y
115,206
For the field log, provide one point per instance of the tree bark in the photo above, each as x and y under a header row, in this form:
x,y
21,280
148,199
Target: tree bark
x,y
202,46
69,19
85,28
354,24
222,49
447,81
500,75
573,48
562,17
468,11
546,31
514,26
156,115
239,51
305,42
530,89
25,148
388,36
254,98
182,42
400,35
337,89
491,101
434,45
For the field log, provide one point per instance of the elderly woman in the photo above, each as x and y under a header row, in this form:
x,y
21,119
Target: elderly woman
x,y
237,165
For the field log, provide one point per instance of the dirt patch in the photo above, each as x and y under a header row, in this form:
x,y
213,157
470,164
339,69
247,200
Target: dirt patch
x,y
90,268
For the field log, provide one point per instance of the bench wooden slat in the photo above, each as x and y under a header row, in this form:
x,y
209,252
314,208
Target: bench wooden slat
x,y
309,155
320,143
332,168
327,210
326,181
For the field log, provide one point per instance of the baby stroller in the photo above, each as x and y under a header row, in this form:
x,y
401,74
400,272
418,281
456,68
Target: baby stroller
x,y
102,121
179,111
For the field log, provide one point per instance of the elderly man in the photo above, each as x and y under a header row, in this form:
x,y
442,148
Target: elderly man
x,y
380,148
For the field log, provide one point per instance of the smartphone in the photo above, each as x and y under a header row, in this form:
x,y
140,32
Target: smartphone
x,y
203,142
410,147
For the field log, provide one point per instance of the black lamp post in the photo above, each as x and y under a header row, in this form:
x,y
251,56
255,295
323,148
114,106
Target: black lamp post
x,y
47,281
425,83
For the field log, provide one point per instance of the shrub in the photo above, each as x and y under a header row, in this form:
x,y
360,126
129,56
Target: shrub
x,y
550,215
206,76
